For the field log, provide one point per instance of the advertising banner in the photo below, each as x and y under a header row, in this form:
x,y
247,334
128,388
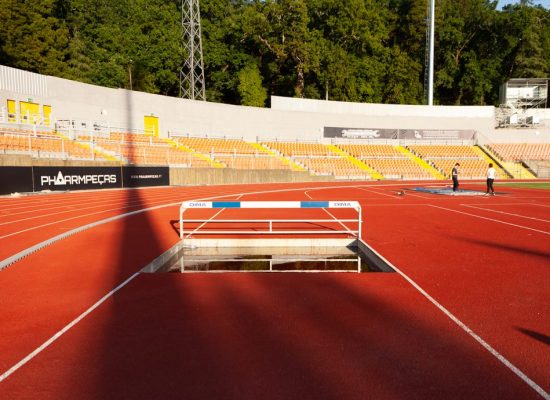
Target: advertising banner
x,y
36,179
145,176
15,179
76,178
408,134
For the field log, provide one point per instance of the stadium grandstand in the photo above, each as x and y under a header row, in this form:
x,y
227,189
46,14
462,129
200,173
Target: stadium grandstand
x,y
47,118
279,260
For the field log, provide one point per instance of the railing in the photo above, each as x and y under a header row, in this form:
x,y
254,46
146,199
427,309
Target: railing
x,y
270,222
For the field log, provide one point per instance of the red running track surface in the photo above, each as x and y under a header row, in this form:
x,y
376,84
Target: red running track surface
x,y
284,336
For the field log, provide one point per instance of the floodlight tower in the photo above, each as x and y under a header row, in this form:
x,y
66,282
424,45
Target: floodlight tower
x,y
429,54
192,73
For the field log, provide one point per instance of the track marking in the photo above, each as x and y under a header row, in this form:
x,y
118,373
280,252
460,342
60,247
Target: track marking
x,y
503,212
75,321
490,219
532,384
18,256
83,215
204,223
124,203
332,216
68,206
375,192
464,327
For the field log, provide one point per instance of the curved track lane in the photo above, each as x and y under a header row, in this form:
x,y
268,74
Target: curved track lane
x,y
492,275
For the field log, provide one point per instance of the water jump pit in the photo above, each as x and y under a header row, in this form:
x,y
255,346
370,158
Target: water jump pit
x,y
297,236
353,257
448,191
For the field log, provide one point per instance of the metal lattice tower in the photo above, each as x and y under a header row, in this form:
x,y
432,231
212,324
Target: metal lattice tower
x,y
192,73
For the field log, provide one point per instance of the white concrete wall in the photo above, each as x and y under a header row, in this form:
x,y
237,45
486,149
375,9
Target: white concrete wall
x,y
511,135
288,118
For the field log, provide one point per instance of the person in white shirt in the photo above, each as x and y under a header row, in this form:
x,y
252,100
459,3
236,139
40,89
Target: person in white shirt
x,y
491,172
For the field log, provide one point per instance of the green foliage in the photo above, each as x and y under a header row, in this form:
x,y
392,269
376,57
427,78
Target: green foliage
x,y
32,37
349,50
250,87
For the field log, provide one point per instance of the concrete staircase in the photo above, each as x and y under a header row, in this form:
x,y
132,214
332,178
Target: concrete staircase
x,y
423,164
293,166
361,165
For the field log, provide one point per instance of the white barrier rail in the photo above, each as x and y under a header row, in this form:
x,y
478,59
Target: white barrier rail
x,y
270,222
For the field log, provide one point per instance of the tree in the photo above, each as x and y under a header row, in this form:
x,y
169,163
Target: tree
x,y
349,50
466,52
251,91
32,37
527,32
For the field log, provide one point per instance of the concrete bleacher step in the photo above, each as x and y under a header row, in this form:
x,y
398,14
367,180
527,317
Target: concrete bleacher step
x,y
293,166
196,154
361,165
489,157
514,169
421,163
98,151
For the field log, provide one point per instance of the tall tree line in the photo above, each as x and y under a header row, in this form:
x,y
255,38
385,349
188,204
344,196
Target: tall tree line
x,y
348,50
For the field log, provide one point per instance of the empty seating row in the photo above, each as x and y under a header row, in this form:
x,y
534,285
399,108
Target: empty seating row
x,y
297,149
334,165
318,158
469,168
398,168
443,151
372,150
45,146
521,151
216,146
252,162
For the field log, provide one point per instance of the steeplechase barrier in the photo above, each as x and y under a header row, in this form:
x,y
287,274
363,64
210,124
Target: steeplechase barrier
x,y
268,223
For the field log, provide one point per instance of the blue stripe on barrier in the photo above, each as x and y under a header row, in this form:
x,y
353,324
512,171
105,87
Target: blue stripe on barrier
x,y
314,204
226,204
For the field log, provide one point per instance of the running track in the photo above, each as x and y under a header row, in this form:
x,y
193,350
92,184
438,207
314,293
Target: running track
x,y
486,261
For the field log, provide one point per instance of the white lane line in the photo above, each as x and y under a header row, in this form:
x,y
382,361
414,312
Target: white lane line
x,y
501,358
69,205
80,216
212,217
122,202
24,253
332,216
204,223
506,213
490,219
341,223
375,192
52,339
58,221
532,384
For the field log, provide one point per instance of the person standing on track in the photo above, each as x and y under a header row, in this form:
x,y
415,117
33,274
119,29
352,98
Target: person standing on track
x,y
491,172
454,175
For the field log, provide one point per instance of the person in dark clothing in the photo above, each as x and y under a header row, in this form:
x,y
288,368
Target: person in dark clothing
x,y
454,174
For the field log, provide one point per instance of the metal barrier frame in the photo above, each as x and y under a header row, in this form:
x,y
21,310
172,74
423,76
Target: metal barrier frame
x,y
272,204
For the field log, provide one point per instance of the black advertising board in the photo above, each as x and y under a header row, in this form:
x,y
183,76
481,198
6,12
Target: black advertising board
x,y
36,179
145,176
76,178
15,179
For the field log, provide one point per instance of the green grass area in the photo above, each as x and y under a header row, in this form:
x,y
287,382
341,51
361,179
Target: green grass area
x,y
531,185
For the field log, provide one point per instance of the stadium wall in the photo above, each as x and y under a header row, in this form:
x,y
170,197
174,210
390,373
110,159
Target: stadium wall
x,y
510,135
287,119
16,174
